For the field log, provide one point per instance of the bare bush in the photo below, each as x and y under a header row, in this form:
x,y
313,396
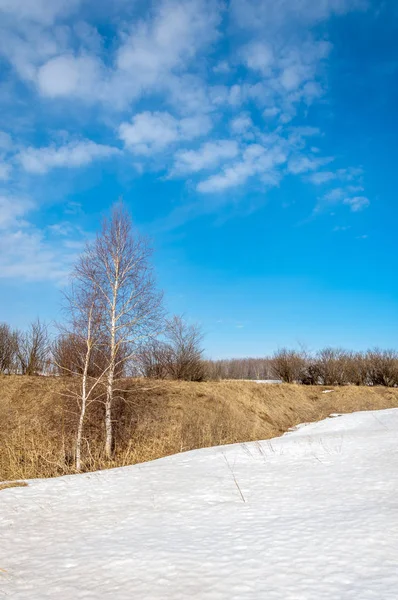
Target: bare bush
x,y
382,367
178,356
331,367
357,368
68,353
289,365
183,350
151,361
33,349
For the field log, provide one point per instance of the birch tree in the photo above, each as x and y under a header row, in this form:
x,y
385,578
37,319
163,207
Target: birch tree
x,y
117,265
83,338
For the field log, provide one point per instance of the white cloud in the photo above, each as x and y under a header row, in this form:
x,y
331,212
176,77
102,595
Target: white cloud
x,y
351,175
305,131
195,126
271,15
222,67
12,209
189,94
322,177
152,132
32,32
74,154
149,132
335,195
24,254
241,123
258,56
68,62
357,203
164,59
40,11
271,112
255,160
173,37
5,141
70,76
61,229
210,155
288,71
5,171
304,164
342,195
291,78
341,228
26,49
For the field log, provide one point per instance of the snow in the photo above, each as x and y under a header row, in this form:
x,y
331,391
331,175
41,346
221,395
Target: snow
x,y
312,515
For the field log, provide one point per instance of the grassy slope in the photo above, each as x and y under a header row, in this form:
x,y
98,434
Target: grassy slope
x,y
37,422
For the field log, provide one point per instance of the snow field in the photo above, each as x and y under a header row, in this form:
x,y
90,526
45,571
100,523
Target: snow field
x,y
312,515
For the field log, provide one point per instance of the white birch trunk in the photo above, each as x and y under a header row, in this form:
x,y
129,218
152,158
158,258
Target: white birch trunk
x,y
79,436
83,406
111,376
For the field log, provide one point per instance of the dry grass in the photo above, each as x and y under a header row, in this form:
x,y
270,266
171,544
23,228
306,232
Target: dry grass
x,y
12,484
155,419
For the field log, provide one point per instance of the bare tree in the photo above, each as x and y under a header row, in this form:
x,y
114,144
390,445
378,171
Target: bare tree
x,y
117,266
178,355
33,349
358,369
183,350
152,360
289,365
332,366
382,367
68,353
8,349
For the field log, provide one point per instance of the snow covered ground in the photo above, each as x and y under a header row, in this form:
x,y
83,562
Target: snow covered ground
x,y
309,516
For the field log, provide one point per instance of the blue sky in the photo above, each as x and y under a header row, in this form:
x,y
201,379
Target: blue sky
x,y
253,140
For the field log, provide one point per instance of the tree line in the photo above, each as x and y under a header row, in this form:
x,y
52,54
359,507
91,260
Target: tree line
x,y
329,366
179,356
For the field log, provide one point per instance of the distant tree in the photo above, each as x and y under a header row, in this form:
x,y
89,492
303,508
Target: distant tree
x,y
33,349
358,369
382,367
288,365
179,355
152,360
239,368
332,366
8,349
183,350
